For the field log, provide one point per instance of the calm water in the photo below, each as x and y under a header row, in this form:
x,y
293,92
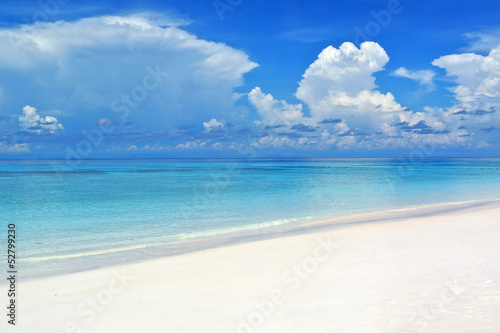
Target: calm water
x,y
104,204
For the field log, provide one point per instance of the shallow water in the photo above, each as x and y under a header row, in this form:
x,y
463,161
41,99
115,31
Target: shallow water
x,y
62,211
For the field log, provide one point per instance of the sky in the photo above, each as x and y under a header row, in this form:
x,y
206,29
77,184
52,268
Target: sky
x,y
244,79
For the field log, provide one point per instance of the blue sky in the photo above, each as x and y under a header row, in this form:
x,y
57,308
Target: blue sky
x,y
235,78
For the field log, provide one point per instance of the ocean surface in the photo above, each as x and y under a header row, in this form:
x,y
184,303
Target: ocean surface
x,y
101,205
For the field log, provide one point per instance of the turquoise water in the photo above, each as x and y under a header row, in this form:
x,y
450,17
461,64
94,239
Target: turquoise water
x,y
106,204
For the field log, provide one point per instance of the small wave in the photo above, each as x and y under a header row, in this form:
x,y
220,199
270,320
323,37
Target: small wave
x,y
216,232
83,254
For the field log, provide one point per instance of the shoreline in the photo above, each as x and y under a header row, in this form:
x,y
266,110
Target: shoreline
x,y
433,269
81,262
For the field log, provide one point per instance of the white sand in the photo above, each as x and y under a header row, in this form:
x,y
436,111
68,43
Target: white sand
x,y
433,273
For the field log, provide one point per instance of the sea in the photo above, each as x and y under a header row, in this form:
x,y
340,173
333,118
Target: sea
x,y
62,211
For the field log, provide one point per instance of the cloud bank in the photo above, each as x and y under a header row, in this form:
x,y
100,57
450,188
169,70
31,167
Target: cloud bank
x,y
340,91
165,90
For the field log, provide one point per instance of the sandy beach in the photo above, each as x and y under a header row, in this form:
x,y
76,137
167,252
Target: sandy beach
x,y
418,270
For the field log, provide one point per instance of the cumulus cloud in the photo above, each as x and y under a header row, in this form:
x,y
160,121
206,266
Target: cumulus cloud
x,y
54,39
423,77
349,113
270,141
477,94
340,91
477,76
172,77
341,82
273,111
213,126
347,109
30,121
192,144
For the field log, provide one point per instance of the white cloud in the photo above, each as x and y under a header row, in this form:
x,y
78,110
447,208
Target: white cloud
x,y
30,121
272,141
347,111
134,148
342,78
339,89
213,126
14,148
483,41
340,103
477,76
51,40
106,123
218,145
155,147
423,77
275,112
340,84
477,93
192,144
85,59
484,144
